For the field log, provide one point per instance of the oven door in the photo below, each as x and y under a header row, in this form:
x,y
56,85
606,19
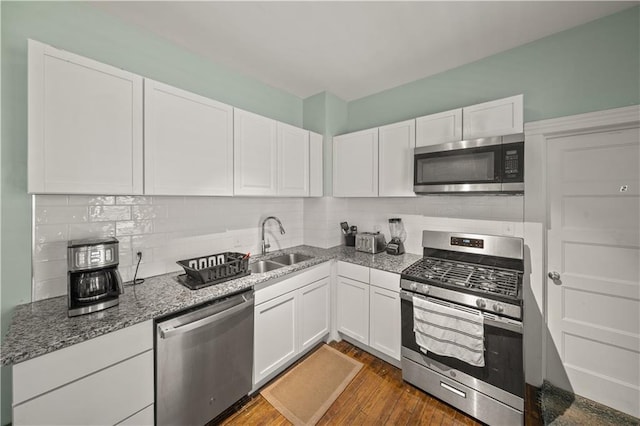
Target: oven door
x,y
503,368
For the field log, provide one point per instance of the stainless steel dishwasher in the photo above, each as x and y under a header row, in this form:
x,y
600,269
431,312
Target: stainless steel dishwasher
x,y
204,360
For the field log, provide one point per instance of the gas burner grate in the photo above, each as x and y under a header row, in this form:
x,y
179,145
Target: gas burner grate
x,y
490,280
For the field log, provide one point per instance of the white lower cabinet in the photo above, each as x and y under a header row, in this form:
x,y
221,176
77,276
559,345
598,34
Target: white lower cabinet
x,y
290,317
142,417
107,380
274,334
314,312
384,324
368,305
353,309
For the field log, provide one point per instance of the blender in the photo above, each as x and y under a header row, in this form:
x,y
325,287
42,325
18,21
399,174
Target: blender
x,y
398,235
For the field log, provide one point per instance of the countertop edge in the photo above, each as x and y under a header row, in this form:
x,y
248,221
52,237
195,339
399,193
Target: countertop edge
x,y
134,310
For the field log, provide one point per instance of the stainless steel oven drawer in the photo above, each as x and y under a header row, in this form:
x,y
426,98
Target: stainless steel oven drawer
x,y
474,403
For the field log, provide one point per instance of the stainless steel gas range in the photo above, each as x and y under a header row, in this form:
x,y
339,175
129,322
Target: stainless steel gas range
x,y
479,276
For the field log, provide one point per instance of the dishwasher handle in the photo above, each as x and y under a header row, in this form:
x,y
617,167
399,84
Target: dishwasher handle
x,y
169,331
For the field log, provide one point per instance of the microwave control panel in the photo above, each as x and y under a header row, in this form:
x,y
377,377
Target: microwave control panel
x,y
513,161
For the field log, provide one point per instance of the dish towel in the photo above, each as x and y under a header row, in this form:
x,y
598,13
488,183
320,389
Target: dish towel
x,y
448,331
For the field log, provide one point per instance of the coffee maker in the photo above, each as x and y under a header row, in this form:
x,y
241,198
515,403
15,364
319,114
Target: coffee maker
x,y
93,280
398,235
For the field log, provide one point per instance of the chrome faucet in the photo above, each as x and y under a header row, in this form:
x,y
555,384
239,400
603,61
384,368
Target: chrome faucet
x,y
265,244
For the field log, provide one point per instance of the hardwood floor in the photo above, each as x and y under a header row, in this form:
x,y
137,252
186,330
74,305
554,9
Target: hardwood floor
x,y
376,396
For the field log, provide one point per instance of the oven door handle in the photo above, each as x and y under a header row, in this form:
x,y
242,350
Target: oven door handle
x,y
489,319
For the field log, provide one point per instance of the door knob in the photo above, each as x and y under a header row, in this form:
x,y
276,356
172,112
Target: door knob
x,y
554,275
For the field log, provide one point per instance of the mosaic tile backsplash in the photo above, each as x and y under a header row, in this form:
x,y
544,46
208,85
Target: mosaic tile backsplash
x,y
164,229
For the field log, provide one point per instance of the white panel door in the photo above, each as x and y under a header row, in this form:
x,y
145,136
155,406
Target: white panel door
x,y
188,145
313,307
355,164
315,165
494,118
395,159
384,321
594,247
274,335
439,128
353,309
85,125
293,161
255,154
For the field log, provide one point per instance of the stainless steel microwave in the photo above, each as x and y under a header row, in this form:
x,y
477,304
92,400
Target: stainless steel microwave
x,y
487,165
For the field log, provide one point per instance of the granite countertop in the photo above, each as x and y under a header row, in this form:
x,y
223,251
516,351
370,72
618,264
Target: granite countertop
x,y
42,327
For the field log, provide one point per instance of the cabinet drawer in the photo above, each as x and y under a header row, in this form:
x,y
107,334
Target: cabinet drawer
x,y
292,283
106,397
384,279
141,418
355,272
38,375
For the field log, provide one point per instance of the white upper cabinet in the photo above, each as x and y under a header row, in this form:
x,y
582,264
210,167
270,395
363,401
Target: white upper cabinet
x,y
439,128
293,161
255,154
315,164
396,144
494,118
85,125
188,143
355,164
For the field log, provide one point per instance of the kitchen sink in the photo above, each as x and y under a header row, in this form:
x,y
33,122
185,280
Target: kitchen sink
x,y
291,258
277,262
263,266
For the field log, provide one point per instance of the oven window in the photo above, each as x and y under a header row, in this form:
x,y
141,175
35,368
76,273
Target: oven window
x,y
454,167
503,355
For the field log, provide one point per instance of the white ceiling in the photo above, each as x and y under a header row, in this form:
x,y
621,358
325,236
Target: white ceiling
x,y
352,49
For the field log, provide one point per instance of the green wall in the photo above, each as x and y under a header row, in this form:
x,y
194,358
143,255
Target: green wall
x,y
326,114
85,30
592,67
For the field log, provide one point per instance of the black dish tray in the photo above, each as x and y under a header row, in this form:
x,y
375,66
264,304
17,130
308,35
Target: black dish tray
x,y
216,268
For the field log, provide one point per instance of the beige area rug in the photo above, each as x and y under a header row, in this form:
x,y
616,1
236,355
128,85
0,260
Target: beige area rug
x,y
306,392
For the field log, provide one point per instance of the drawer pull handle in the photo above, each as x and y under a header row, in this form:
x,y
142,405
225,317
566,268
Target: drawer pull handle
x,y
454,390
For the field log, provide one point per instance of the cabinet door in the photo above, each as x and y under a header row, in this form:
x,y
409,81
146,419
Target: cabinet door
x,y
85,125
314,313
385,321
255,149
293,161
355,164
188,146
274,335
438,128
495,118
353,309
315,165
396,145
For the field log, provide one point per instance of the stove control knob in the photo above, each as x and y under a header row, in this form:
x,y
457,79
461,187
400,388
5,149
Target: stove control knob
x,y
498,307
425,289
414,286
481,303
